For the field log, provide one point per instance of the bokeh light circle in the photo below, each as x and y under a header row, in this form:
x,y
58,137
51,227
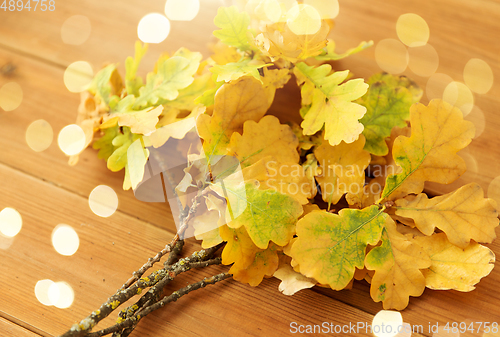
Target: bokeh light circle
x,y
65,240
424,60
71,139
39,135
436,84
328,9
11,222
476,116
76,30
391,56
42,291
61,295
103,201
478,76
460,96
303,20
153,28
494,191
182,10
412,30
11,96
78,76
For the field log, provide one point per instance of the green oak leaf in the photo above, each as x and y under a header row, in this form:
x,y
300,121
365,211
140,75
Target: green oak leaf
x,y
174,73
187,97
234,27
233,71
106,84
330,246
266,214
132,82
104,144
387,103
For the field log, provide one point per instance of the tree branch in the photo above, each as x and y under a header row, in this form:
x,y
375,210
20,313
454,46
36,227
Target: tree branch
x,y
167,299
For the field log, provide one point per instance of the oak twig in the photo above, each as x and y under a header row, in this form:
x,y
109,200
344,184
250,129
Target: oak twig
x,y
130,321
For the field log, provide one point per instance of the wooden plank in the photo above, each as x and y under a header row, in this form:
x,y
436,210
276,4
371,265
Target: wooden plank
x,y
9,329
110,249
45,97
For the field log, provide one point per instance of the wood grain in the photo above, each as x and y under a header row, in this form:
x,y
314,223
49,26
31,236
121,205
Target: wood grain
x,y
10,329
47,191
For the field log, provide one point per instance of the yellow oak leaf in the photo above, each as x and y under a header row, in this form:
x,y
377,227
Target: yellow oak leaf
x,y
463,215
311,170
266,138
369,195
453,267
438,132
305,142
397,263
173,128
278,41
264,264
330,102
223,54
235,103
285,178
140,122
274,79
343,169
330,247
239,248
137,157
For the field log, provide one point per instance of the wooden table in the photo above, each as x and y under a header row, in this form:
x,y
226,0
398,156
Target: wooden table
x,y
46,191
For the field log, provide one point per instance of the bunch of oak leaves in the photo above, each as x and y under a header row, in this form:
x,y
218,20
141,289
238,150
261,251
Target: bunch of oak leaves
x,y
298,203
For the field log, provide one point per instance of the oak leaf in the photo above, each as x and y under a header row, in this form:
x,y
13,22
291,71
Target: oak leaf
x,y
291,281
331,102
264,264
239,248
235,103
173,74
233,71
330,246
388,102
278,41
265,138
342,169
266,215
234,27
284,177
453,267
397,263
438,132
132,82
463,215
